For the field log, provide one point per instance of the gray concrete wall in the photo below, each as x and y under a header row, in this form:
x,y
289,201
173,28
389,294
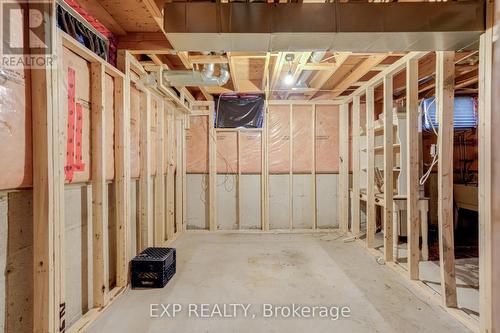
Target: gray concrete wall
x,y
250,202
197,201
16,261
326,200
279,202
227,202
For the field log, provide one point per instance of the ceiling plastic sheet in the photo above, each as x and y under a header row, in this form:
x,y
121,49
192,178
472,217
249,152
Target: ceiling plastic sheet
x,y
197,145
235,111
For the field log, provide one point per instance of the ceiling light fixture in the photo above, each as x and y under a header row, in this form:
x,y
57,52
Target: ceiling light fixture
x,y
288,80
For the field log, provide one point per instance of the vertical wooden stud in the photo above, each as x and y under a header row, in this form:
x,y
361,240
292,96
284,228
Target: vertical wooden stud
x,y
313,171
170,172
445,85
290,168
343,196
159,184
412,167
356,203
145,183
99,187
388,170
212,168
179,128
371,222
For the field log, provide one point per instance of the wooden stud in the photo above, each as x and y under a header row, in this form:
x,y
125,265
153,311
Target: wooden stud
x,y
212,169
159,183
489,215
179,128
290,170
99,186
184,184
388,170
265,170
238,180
371,212
313,171
145,183
122,170
343,194
445,80
356,202
170,173
412,167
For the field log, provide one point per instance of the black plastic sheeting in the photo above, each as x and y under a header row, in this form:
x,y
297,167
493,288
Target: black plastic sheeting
x,y
240,111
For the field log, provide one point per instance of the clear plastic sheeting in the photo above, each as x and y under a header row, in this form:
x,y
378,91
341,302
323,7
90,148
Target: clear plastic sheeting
x,y
197,145
227,152
234,111
251,152
302,143
279,139
135,107
327,139
15,129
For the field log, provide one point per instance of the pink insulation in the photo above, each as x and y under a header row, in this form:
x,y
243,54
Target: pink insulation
x,y
197,145
327,138
227,152
302,144
251,152
279,138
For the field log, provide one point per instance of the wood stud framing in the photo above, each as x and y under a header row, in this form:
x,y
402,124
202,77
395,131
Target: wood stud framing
x,y
343,195
356,207
159,183
388,171
445,80
370,191
413,161
145,232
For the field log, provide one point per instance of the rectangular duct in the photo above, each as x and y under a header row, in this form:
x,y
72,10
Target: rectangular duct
x,y
356,27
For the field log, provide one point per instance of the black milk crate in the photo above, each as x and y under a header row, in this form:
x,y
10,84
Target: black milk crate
x,y
153,267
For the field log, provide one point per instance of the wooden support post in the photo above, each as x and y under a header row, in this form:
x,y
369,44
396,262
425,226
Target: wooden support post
x,y
145,184
212,169
290,169
371,222
343,195
445,81
413,187
356,203
122,172
48,188
265,170
159,220
179,128
489,182
99,187
388,170
238,180
170,172
313,171
185,125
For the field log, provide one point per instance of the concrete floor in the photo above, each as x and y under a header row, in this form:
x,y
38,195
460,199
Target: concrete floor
x,y
279,269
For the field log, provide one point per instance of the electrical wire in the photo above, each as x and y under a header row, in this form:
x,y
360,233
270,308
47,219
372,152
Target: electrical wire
x,y
435,158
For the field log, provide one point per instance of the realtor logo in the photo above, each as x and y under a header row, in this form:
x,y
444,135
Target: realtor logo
x,y
26,34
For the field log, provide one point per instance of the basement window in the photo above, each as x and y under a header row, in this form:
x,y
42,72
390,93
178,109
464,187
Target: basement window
x,y
464,113
239,111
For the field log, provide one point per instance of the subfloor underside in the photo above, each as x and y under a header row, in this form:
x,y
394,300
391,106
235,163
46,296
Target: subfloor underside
x,y
277,269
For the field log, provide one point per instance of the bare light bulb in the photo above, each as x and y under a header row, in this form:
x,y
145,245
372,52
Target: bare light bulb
x,y
288,79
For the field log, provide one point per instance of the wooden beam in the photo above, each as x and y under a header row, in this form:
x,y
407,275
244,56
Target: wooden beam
x,y
389,241
265,73
343,195
184,57
159,182
445,72
170,172
413,162
145,43
357,74
179,128
371,223
206,94
278,66
356,203
145,183
122,169
48,187
100,278
321,77
212,169
207,59
234,76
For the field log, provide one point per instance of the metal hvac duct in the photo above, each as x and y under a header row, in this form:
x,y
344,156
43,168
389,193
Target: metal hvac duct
x,y
191,78
338,26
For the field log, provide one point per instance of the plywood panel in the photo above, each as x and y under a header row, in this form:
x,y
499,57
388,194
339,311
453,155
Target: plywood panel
x,y
327,138
135,103
279,138
197,145
197,201
250,203
251,152
302,155
279,204
227,152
